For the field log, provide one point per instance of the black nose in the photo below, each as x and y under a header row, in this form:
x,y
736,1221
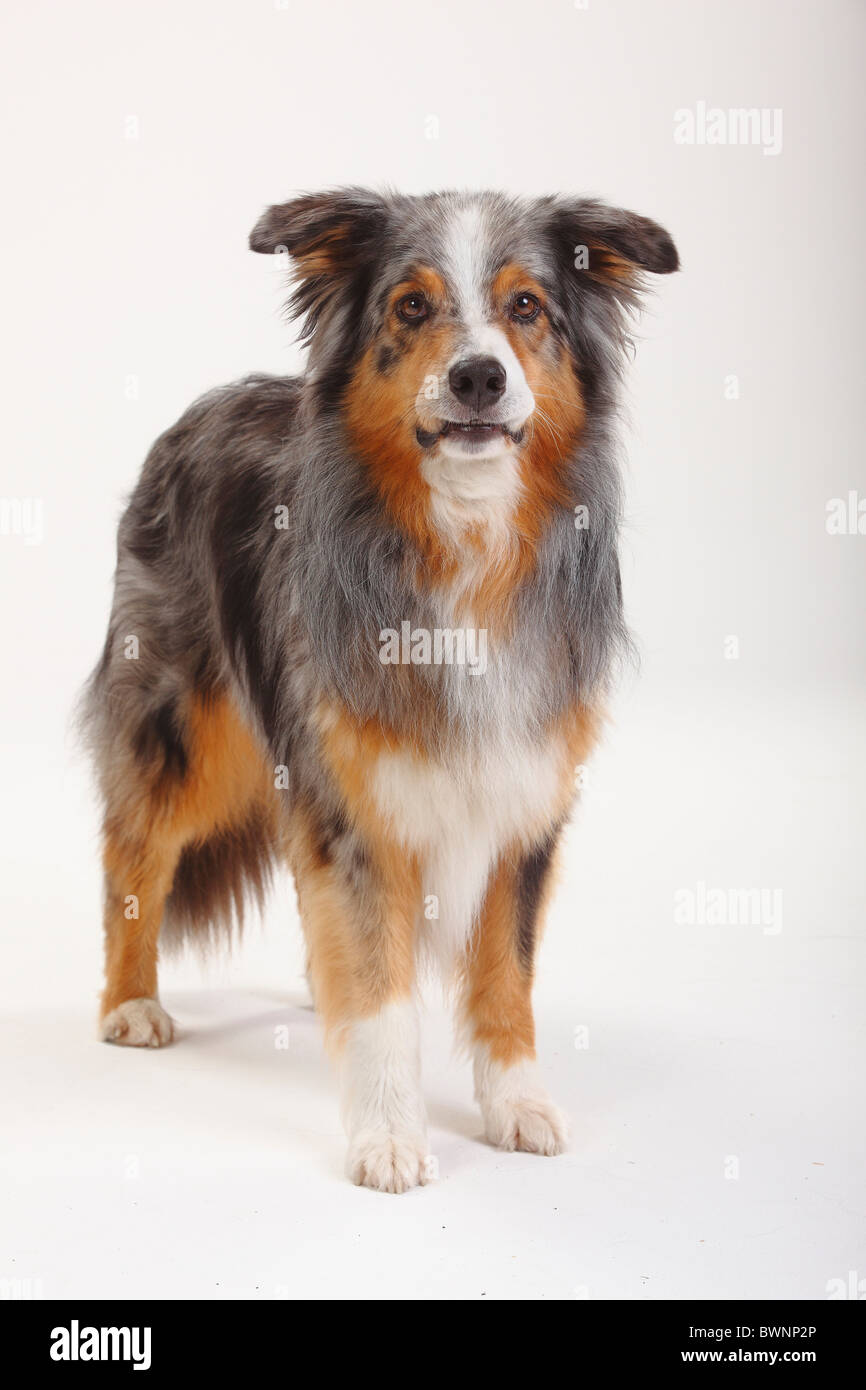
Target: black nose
x,y
477,382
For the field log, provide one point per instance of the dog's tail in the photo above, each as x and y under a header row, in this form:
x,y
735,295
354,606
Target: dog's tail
x,y
216,880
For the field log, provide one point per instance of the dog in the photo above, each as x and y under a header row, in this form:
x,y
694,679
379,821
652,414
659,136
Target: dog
x,y
309,572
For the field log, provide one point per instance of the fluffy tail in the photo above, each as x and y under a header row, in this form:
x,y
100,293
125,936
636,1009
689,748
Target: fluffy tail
x,y
215,880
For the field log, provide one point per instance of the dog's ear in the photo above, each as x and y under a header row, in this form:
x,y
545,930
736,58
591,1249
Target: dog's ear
x,y
611,244
329,231
330,238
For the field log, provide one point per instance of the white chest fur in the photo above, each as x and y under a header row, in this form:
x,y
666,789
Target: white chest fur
x,y
458,817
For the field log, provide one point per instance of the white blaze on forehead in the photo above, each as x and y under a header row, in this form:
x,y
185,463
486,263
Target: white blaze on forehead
x,y
468,267
465,259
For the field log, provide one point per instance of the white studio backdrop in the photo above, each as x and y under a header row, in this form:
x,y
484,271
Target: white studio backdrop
x,y
141,143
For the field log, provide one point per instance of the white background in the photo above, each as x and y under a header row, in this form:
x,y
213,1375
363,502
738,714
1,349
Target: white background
x,y
214,1168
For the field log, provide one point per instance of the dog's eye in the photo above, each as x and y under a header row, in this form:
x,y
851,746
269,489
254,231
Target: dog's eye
x,y
525,307
412,308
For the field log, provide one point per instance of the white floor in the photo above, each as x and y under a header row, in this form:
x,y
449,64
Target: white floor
x,y
718,1143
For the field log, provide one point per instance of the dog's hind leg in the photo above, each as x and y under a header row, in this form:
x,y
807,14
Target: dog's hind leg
x,y
188,831
146,777
138,877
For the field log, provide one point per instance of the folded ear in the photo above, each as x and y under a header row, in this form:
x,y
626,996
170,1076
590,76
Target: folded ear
x,y
612,243
330,237
332,228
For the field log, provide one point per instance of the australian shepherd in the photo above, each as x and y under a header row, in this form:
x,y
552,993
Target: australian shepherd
x,y
365,621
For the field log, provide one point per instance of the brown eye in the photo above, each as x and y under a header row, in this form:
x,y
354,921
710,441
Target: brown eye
x,y
525,307
412,308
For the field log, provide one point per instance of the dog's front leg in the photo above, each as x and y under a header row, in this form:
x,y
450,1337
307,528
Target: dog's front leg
x,y
383,1109
359,900
497,1007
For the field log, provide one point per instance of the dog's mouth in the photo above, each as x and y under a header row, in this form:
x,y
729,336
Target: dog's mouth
x,y
469,432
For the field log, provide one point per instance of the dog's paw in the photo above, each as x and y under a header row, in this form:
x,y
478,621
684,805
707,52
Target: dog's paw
x,y
137,1023
531,1124
388,1162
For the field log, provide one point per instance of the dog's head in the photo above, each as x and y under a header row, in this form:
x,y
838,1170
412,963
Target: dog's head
x,y
465,338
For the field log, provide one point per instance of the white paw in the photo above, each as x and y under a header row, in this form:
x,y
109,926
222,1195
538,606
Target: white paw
x,y
518,1112
388,1162
137,1023
531,1123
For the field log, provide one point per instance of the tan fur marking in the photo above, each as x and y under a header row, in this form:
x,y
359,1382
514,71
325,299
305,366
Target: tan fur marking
x,y
360,954
425,279
498,989
380,413
605,264
581,730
